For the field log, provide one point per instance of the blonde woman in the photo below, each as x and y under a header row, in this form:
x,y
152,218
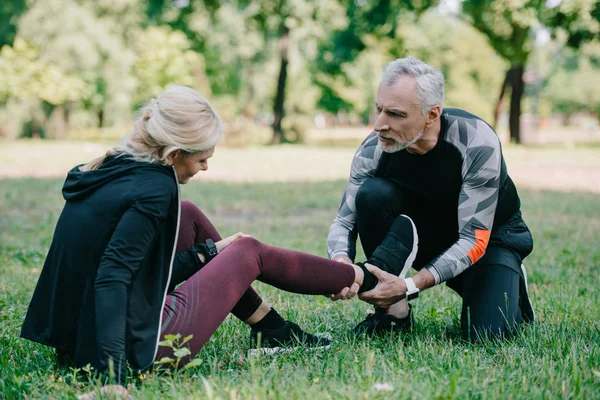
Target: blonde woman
x,y
108,292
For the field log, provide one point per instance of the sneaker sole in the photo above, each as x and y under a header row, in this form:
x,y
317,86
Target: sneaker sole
x,y
286,350
283,350
527,291
413,254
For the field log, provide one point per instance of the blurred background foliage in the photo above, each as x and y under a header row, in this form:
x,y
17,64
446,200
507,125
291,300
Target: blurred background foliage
x,y
275,69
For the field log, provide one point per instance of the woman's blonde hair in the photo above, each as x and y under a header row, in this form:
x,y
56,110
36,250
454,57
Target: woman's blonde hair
x,y
177,119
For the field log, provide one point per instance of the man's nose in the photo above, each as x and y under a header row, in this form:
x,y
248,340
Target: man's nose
x,y
381,123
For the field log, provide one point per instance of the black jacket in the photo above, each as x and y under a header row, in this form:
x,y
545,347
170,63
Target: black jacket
x,y
107,273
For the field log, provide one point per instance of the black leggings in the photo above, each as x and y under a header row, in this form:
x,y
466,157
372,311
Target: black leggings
x,y
491,289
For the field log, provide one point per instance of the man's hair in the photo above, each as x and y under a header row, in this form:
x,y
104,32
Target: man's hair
x,y
430,81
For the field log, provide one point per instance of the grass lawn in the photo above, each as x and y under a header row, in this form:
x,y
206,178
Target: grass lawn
x,y
556,357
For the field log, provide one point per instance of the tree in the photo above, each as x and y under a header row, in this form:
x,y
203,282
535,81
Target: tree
x,y
10,11
164,58
573,86
25,78
472,69
509,26
276,19
370,24
239,38
72,37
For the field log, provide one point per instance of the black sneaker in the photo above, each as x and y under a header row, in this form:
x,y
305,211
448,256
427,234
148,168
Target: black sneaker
x,y
285,339
396,254
380,323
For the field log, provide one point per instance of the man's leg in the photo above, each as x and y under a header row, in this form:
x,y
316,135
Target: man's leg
x,y
491,291
379,205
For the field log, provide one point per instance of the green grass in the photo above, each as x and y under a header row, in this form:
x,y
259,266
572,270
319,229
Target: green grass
x,y
556,357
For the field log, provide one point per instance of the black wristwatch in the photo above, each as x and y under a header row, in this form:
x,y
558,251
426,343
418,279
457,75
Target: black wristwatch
x,y
208,248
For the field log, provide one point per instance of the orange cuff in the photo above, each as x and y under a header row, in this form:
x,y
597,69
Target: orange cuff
x,y
482,237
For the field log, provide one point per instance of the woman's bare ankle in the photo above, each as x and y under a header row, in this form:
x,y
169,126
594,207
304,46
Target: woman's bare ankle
x,y
359,275
259,314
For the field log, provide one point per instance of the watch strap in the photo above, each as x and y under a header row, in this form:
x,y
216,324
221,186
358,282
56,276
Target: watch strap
x,y
412,292
208,249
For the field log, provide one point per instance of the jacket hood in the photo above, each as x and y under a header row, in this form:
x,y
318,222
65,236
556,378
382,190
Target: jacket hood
x,y
79,185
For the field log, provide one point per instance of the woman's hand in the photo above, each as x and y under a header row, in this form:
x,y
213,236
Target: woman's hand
x,y
349,292
222,244
107,390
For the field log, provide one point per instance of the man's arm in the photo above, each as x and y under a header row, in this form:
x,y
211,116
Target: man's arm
x,y
477,203
476,209
391,289
341,241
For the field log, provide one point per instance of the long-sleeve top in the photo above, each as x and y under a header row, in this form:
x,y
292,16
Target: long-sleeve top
x,y
110,266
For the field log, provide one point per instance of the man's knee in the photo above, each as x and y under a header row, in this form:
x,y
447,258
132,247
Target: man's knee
x,y
375,193
495,324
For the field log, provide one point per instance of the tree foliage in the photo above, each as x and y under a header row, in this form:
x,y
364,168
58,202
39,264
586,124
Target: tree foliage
x,y
510,27
276,62
573,85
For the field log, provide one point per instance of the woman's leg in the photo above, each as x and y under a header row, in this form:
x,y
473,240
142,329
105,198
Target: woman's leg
x,y
202,302
196,227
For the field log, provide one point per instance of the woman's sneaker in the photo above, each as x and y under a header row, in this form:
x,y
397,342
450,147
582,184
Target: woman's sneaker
x,y
285,339
380,323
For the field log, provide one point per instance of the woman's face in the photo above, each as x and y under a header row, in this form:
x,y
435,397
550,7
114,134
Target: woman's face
x,y
188,165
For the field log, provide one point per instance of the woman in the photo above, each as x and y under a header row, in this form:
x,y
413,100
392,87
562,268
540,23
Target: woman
x,y
108,291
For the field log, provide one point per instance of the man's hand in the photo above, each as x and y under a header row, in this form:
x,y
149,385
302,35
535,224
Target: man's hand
x,y
389,290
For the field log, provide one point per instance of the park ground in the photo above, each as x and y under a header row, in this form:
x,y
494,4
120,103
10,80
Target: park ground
x,y
288,196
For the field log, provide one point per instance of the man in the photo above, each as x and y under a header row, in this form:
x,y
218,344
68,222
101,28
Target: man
x,y
443,168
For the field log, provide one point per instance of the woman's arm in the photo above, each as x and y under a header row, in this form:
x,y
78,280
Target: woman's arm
x,y
129,245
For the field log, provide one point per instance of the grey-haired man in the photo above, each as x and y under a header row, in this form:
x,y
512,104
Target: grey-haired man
x,y
443,171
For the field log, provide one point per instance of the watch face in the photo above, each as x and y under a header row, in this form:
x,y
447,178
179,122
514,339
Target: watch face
x,y
412,296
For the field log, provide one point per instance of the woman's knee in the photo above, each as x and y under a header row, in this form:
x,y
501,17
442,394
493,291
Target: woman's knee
x,y
249,244
189,211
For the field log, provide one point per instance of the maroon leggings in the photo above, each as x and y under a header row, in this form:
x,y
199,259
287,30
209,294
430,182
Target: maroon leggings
x,y
199,305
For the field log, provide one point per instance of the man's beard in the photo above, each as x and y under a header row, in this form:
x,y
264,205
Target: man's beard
x,y
397,146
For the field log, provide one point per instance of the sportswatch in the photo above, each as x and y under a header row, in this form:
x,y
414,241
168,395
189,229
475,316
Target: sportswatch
x,y
208,248
412,291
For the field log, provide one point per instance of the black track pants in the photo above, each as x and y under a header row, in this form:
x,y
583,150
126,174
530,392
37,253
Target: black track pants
x,y
493,289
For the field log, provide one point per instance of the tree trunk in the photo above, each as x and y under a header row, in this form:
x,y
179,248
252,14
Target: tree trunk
x,y
498,108
101,118
278,107
518,87
59,124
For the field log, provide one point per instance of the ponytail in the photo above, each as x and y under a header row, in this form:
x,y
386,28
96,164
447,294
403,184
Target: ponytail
x,y
178,119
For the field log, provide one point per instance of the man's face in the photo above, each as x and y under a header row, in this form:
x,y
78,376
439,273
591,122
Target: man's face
x,y
399,122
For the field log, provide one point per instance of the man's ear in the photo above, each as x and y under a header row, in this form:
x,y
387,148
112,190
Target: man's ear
x,y
434,114
172,157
